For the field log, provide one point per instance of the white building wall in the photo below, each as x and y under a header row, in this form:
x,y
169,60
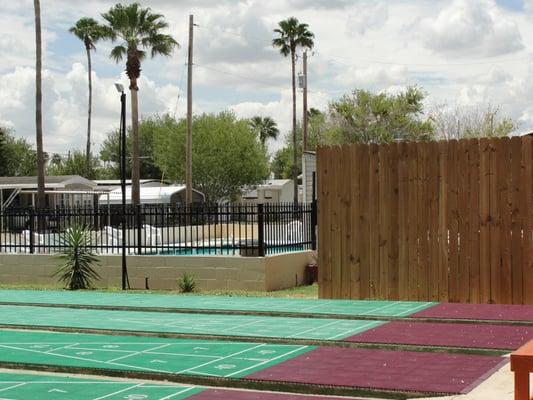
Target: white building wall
x,y
308,167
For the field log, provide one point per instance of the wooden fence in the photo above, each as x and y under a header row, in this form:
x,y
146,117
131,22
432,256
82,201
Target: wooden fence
x,y
439,221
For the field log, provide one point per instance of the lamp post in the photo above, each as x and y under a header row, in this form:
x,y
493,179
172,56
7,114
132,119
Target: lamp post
x,y
120,89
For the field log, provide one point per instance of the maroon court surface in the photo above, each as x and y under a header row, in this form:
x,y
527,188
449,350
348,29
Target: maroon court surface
x,y
476,336
490,312
220,394
385,370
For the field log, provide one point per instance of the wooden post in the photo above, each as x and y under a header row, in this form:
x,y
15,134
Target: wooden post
x,y
304,131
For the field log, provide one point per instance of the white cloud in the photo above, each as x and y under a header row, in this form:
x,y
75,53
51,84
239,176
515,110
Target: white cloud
x,y
472,27
367,15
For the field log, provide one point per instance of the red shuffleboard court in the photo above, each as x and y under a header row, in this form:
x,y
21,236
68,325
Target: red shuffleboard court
x,y
403,371
221,394
487,312
475,336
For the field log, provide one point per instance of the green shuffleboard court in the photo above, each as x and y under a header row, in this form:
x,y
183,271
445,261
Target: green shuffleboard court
x,y
182,323
141,354
53,387
218,303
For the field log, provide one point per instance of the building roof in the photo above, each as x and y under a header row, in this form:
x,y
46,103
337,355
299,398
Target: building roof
x,y
110,182
149,195
50,182
270,184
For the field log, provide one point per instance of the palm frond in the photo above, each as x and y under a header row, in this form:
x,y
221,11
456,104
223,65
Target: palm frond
x,y
118,53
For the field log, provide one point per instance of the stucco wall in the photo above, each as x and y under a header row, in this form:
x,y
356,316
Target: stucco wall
x,y
210,272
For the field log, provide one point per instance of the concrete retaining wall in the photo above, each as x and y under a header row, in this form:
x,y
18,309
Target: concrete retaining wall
x,y
211,272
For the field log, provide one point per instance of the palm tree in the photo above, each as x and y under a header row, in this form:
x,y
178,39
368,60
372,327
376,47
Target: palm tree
x,y
265,128
293,34
139,31
41,201
89,32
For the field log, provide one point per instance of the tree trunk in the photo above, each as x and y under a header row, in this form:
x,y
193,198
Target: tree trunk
x,y
89,111
41,201
294,150
135,168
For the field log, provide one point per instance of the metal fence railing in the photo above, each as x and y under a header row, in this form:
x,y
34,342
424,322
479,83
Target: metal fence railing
x,y
250,230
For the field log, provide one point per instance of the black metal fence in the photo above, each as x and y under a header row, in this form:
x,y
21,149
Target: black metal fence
x,y
248,230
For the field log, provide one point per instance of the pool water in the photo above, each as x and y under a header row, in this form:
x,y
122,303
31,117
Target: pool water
x,y
225,251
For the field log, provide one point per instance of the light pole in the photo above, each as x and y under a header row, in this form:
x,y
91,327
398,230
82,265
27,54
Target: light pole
x,y
120,89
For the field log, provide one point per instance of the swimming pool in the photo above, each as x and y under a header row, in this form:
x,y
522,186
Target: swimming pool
x,y
226,250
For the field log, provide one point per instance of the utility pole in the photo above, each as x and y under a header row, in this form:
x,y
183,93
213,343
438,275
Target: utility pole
x,y
304,140
188,145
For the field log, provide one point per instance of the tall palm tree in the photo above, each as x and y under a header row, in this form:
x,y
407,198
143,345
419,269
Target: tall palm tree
x,y
265,128
89,32
293,34
41,201
139,31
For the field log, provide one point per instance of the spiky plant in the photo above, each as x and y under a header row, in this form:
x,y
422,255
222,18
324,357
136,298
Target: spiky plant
x,y
77,271
187,283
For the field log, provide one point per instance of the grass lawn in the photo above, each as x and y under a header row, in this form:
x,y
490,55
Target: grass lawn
x,y
304,292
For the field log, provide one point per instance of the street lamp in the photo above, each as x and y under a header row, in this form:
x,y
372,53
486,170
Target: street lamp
x,y
120,89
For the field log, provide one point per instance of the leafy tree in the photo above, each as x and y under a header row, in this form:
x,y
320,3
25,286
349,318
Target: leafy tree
x,y
227,155
4,157
471,122
18,157
89,32
293,34
265,128
139,31
281,164
74,164
364,117
110,149
41,200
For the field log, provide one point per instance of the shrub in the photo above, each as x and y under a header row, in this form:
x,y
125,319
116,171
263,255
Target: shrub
x,y
77,271
186,283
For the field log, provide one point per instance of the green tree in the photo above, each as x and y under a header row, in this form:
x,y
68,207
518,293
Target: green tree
x,y
365,117
265,128
4,156
20,157
139,31
74,164
110,148
89,32
293,34
227,155
281,164
471,122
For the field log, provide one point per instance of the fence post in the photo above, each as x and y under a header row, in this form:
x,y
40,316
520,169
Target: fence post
x,y
31,229
314,215
261,228
138,222
313,223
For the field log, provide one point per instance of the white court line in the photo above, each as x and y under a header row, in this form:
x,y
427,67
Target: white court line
x,y
118,391
12,386
136,353
175,394
86,359
241,325
413,310
265,362
62,347
381,308
221,358
181,354
372,324
314,329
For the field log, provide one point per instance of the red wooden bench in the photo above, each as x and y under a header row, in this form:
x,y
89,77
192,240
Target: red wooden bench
x,y
522,365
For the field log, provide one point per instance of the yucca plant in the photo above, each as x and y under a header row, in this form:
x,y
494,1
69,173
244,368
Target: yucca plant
x,y
187,283
77,272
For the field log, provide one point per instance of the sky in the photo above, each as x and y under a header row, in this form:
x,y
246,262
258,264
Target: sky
x,y
462,53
